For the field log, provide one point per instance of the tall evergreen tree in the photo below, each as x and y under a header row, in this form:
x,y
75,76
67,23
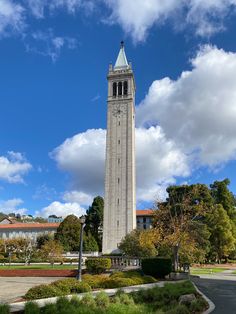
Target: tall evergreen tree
x,y
94,219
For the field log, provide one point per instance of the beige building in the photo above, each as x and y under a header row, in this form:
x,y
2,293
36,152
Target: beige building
x,y
26,230
120,198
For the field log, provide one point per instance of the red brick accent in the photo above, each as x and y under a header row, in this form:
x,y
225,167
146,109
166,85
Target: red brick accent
x,y
38,273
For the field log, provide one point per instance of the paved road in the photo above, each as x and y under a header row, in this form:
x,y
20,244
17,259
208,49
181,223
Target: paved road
x,y
12,288
221,290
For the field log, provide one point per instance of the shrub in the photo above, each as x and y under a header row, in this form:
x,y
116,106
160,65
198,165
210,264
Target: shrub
x,y
94,281
102,299
88,301
98,265
126,299
49,309
117,283
31,308
198,305
179,309
136,276
4,309
43,291
157,267
71,285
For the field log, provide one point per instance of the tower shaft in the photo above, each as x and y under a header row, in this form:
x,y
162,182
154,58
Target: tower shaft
x,y
120,198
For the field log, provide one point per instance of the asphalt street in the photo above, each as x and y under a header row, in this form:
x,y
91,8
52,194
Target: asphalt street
x,y
222,292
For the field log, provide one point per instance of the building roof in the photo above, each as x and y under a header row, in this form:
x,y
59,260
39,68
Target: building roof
x,y
144,212
30,226
121,61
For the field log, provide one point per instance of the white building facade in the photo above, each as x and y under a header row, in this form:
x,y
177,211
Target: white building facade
x,y
120,182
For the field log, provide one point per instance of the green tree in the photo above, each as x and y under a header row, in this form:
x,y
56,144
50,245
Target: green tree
x,y
89,243
42,239
52,250
182,213
140,243
222,237
68,233
222,195
94,220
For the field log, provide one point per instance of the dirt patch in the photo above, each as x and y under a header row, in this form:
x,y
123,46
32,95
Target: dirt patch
x,y
38,273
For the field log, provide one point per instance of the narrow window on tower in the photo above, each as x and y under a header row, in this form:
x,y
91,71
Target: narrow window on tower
x,y
118,180
125,88
120,89
119,123
118,161
118,223
118,201
118,141
114,89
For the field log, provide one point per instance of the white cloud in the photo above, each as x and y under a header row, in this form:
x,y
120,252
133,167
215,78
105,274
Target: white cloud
x,y
11,17
13,167
205,17
197,111
78,197
12,206
83,157
47,44
159,161
62,209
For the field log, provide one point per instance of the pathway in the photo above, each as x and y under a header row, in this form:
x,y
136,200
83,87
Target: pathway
x,y
13,288
220,289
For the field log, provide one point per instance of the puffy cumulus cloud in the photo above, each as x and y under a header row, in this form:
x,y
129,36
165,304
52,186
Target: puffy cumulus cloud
x,y
48,44
83,157
13,167
12,17
12,206
78,197
197,111
61,209
159,161
137,17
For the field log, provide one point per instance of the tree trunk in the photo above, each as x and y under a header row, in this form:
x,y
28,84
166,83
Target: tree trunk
x,y
176,257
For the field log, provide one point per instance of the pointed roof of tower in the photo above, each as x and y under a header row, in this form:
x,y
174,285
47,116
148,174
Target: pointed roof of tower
x,y
121,61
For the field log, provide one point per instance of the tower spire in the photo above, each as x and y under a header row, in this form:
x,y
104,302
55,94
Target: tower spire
x,y
121,61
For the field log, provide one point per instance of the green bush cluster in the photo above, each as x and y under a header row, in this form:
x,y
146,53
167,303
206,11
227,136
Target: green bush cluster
x,y
155,300
4,309
98,265
71,285
157,267
58,288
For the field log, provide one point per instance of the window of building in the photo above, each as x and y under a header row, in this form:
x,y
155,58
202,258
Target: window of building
x,y
125,88
118,141
120,89
118,201
114,89
144,227
118,180
118,161
118,223
144,219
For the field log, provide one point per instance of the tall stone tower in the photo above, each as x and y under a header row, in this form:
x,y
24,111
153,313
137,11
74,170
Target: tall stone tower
x,y
120,198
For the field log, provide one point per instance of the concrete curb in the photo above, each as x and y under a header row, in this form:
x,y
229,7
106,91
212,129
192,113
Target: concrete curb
x,y
210,303
19,306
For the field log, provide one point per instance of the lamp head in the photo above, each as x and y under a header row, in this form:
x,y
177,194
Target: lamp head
x,y
82,219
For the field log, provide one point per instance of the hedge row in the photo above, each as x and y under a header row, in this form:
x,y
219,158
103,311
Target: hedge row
x,y
157,267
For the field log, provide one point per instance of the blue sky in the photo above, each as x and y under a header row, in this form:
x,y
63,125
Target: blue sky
x,y
54,58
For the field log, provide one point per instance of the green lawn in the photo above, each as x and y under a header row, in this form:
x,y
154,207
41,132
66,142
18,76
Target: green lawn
x,y
206,271
39,266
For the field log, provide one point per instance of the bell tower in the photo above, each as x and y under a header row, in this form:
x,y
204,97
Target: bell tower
x,y
120,198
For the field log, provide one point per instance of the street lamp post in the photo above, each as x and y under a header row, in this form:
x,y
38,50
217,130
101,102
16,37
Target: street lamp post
x,y
82,222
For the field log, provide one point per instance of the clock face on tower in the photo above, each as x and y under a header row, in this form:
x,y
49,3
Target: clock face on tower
x,y
118,110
